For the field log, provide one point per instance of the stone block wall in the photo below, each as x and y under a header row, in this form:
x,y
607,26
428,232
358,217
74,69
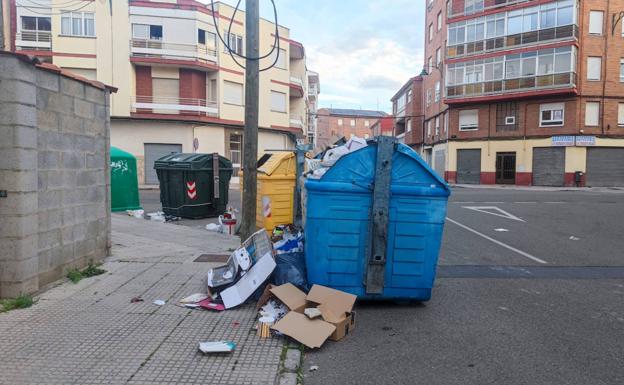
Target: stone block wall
x,y
54,167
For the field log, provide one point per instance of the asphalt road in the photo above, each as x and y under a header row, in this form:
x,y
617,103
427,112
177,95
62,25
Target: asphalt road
x,y
531,295
563,323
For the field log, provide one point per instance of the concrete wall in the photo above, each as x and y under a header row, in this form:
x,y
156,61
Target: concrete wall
x,y
54,167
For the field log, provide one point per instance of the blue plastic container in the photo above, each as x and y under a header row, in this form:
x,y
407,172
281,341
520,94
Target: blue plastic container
x,y
338,223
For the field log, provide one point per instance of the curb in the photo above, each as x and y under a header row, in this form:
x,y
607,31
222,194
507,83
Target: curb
x,y
290,365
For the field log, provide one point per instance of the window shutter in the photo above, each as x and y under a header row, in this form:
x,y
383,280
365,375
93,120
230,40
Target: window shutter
x,y
469,119
592,112
233,93
278,101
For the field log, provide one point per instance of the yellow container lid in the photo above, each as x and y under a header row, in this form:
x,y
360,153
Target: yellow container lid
x,y
278,163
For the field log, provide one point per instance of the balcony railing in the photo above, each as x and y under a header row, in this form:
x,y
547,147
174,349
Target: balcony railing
x,y
176,106
34,39
165,50
513,41
488,4
296,80
498,87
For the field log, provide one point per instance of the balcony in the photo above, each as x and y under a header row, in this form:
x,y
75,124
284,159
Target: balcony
x,y
567,32
297,122
511,86
39,40
296,87
165,50
456,7
175,106
312,90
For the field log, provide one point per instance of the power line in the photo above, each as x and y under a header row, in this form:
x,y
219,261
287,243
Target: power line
x,y
55,6
276,42
59,13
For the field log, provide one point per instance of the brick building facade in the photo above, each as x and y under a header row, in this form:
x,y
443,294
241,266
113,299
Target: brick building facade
x,y
334,123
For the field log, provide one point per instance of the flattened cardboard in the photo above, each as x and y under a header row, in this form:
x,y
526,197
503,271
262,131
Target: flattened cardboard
x,y
311,333
244,288
290,296
335,302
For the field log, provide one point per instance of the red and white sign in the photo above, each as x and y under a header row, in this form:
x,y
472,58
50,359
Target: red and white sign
x,y
266,207
191,190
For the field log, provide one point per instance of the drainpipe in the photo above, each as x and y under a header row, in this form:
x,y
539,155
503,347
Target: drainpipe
x,y
604,72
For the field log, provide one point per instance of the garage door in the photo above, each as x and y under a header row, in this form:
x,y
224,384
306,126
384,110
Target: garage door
x,y
548,166
152,153
439,162
469,166
605,167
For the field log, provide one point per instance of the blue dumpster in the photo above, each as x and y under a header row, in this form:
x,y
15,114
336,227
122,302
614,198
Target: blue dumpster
x,y
373,237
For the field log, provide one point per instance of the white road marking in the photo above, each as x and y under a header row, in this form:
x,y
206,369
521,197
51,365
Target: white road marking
x,y
501,213
501,230
555,203
524,254
525,202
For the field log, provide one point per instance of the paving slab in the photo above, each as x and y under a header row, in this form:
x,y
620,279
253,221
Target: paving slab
x,y
90,333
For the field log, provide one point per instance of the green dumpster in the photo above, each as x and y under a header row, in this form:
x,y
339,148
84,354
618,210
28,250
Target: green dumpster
x,y
194,185
124,181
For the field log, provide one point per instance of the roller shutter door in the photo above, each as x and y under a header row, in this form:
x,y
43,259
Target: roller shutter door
x,y
605,167
154,152
548,166
469,166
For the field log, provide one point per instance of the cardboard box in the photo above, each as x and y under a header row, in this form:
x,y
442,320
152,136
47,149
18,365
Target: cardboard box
x,y
244,288
336,307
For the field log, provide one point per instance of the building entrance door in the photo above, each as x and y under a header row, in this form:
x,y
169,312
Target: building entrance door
x,y
505,168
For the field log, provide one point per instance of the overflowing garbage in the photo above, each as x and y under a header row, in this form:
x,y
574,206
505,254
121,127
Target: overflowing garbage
x,y
316,168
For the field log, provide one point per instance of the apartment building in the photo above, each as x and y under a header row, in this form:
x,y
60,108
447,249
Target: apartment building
x,y
383,126
179,88
532,91
335,123
314,89
407,109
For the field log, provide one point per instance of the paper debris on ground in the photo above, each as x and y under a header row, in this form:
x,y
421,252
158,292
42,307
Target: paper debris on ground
x,y
217,347
135,213
313,368
194,298
136,299
311,333
157,216
159,302
247,284
208,304
573,238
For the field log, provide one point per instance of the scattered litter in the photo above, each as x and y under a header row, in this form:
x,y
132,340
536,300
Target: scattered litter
x,y
215,227
312,312
573,238
158,216
248,283
501,230
313,368
194,298
217,347
135,213
136,299
235,323
264,326
191,305
210,305
159,302
228,220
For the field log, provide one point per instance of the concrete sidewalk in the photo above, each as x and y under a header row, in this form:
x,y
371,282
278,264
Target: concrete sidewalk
x,y
538,188
90,333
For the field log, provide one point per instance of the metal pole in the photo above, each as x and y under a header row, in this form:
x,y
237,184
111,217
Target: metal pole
x,y
250,147
1,25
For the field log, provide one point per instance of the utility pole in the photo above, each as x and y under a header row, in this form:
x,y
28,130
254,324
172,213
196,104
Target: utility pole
x,y
250,139
2,25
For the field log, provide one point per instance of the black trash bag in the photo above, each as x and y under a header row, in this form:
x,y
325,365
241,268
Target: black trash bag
x,y
291,268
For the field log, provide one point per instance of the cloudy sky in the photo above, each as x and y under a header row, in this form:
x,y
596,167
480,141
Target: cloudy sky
x,y
364,50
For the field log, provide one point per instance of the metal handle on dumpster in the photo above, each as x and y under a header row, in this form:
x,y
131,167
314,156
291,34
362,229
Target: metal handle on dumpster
x,y
215,174
379,230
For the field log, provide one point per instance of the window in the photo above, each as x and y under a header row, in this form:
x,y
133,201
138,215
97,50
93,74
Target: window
x,y
429,97
437,125
340,122
278,101
232,93
439,20
468,120
471,6
201,36
148,32
366,123
621,70
30,23
594,67
409,96
551,114
78,24
282,59
446,121
234,41
437,91
595,22
430,31
438,57
592,113
510,120
620,114
429,128
352,122
408,125
430,63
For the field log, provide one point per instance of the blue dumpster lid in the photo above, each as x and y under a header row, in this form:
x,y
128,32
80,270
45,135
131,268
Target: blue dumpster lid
x,y
408,169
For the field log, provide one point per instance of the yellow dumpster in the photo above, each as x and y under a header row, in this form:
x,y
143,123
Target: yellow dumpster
x,y
276,189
